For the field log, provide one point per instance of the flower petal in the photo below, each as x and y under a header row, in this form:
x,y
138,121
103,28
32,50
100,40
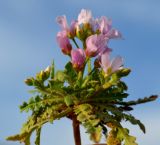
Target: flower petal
x,y
116,63
64,42
95,44
85,16
78,58
105,61
105,25
114,34
72,29
62,21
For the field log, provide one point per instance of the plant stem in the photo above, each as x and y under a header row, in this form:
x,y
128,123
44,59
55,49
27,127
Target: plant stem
x,y
75,42
89,65
76,131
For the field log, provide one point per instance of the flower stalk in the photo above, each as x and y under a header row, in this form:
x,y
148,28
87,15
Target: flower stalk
x,y
89,65
75,42
76,130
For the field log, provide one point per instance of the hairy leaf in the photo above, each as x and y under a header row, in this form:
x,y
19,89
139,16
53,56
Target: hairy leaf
x,y
38,133
123,135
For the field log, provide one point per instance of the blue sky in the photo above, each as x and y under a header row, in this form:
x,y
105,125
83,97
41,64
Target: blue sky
x,y
27,45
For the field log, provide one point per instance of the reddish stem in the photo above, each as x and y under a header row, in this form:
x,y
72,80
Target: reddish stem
x,y
76,131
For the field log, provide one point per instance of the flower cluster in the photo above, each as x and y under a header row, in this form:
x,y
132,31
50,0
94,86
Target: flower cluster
x,y
94,35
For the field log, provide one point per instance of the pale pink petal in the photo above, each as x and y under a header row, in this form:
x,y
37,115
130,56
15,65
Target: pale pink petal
x,y
85,16
105,61
62,21
91,49
113,34
95,44
95,24
116,63
72,28
64,42
106,49
105,25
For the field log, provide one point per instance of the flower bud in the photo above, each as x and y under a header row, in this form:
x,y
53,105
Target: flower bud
x,y
47,72
64,43
80,33
124,72
72,29
78,59
43,75
29,81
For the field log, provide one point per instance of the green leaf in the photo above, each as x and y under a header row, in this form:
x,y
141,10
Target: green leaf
x,y
122,86
96,136
68,100
38,133
55,84
24,105
29,81
112,80
123,72
35,122
24,137
134,121
71,73
87,117
112,137
60,75
140,101
52,70
123,135
42,76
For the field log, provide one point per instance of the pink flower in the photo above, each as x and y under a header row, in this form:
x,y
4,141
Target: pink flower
x,y
95,44
105,27
113,34
62,21
84,17
98,59
110,66
105,50
63,42
72,29
78,59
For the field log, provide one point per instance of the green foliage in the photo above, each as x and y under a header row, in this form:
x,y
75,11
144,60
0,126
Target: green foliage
x,y
68,100
95,99
96,135
52,71
112,137
123,135
85,114
38,133
134,121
